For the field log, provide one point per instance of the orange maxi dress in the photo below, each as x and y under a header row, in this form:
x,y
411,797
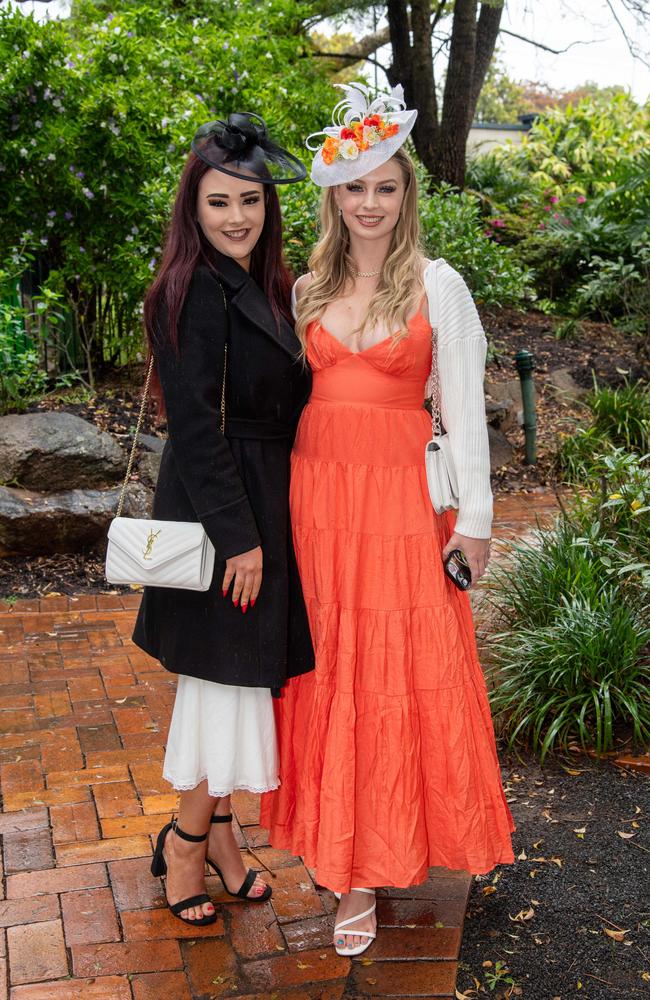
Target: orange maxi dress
x,y
388,762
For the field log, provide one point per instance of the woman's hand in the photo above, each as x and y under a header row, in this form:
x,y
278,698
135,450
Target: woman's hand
x,y
246,570
475,550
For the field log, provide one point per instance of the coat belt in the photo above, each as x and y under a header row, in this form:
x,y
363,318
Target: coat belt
x,y
262,430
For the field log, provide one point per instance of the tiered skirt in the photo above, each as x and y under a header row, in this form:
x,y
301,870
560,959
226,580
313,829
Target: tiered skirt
x,y
387,750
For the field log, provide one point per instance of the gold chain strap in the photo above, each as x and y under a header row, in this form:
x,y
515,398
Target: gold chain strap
x,y
143,406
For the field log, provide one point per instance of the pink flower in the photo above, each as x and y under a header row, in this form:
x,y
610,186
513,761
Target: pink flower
x,y
547,208
498,223
556,215
487,232
542,225
581,199
554,199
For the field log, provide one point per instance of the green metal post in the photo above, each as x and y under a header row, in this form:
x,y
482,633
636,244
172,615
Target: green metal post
x,y
525,364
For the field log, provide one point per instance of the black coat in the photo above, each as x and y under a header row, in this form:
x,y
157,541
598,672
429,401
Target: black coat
x,y
237,485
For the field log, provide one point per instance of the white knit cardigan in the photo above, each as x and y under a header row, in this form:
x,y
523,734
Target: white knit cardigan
x,y
462,348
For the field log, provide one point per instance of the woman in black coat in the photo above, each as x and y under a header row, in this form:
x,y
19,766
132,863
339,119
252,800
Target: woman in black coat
x,y
217,318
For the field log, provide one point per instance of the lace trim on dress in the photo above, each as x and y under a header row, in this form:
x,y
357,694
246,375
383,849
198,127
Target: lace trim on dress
x,y
219,793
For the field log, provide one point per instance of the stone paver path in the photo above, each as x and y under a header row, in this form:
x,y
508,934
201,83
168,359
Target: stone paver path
x,y
83,717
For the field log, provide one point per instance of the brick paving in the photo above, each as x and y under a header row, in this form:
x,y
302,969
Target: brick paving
x,y
83,717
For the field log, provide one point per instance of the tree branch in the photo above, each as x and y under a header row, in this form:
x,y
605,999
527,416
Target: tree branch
x,y
364,47
348,56
634,52
547,48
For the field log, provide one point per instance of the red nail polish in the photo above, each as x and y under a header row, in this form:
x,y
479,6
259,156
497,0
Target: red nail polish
x,y
244,608
224,592
236,602
253,599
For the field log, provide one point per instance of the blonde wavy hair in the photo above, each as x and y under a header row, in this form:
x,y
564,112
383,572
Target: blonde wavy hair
x,y
400,288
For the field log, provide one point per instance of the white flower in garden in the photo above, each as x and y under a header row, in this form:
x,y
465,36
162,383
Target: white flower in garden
x,y
348,149
51,156
26,54
23,151
269,55
112,57
196,39
129,239
38,123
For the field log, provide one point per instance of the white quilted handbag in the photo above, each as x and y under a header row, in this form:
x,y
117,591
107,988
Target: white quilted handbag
x,y
439,460
153,553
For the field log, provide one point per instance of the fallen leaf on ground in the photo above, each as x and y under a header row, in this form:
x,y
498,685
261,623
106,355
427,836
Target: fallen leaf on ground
x,y
625,836
615,935
523,915
488,889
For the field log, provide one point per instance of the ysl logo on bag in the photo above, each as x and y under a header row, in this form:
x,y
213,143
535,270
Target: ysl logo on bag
x,y
151,538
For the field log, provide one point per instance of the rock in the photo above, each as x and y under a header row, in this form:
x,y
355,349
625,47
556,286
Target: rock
x,y
57,451
148,467
565,386
501,414
44,523
504,408
501,451
151,443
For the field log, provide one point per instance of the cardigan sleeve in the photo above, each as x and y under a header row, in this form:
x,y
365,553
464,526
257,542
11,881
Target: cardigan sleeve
x,y
191,380
462,349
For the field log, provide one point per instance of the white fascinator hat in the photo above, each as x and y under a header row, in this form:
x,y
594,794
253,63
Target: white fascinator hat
x,y
366,131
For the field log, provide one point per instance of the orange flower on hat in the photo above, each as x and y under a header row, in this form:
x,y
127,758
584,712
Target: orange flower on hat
x,y
330,149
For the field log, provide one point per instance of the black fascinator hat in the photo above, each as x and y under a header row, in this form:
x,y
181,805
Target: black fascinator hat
x,y
243,148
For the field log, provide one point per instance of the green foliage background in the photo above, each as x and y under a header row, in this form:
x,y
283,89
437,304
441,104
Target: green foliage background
x,y
96,116
574,200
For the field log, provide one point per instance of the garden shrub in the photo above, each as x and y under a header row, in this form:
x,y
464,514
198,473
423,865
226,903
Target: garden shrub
x,y
574,197
620,418
572,640
96,115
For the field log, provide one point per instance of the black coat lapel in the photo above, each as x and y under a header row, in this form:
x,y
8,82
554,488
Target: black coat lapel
x,y
251,301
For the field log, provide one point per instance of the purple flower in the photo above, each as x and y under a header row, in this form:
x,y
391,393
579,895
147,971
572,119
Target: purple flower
x,y
68,216
52,213
487,232
82,250
129,34
80,175
88,193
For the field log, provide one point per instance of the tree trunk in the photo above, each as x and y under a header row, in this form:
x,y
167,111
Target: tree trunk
x,y
426,134
456,121
441,144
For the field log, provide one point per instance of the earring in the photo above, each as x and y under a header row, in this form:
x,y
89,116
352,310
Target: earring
x,y
340,212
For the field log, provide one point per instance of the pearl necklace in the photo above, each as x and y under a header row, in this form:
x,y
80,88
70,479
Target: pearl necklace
x,y
368,274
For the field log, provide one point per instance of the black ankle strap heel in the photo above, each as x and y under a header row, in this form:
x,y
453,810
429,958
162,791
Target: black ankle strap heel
x,y
251,875
159,868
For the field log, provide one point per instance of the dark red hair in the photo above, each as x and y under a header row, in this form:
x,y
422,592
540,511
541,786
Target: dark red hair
x,y
186,246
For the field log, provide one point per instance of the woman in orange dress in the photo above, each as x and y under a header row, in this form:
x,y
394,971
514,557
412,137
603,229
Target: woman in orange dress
x,y
388,763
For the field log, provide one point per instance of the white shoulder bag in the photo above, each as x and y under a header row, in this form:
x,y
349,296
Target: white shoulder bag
x,y
161,553
439,460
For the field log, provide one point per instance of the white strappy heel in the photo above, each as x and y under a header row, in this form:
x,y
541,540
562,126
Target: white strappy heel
x,y
340,928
